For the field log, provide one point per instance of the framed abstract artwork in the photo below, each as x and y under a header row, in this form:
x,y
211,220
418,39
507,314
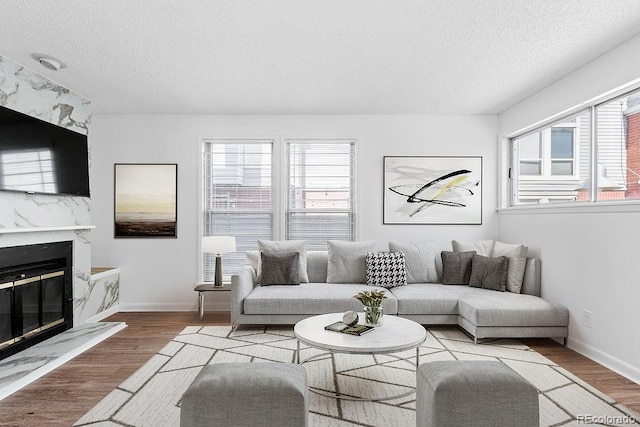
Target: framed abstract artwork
x,y
432,190
146,200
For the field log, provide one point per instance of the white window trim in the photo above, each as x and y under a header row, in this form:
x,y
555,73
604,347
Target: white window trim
x,y
626,206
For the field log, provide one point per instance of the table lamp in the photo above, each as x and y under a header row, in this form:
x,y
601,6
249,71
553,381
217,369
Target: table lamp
x,y
218,245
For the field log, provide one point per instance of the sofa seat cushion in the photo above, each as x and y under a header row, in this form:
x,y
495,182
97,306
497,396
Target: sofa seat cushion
x,y
311,298
489,308
429,298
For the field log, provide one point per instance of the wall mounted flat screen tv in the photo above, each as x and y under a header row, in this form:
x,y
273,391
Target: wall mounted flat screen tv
x,y
40,157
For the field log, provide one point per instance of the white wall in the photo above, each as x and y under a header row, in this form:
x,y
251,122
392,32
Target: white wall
x,y
159,274
589,256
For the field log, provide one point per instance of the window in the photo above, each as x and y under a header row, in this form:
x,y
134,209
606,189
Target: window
x,y
320,191
551,151
555,162
237,198
618,136
239,190
562,142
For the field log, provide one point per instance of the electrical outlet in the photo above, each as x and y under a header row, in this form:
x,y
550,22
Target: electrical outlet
x,y
587,317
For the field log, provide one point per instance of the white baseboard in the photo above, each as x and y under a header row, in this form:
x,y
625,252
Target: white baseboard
x,y
623,368
103,314
172,307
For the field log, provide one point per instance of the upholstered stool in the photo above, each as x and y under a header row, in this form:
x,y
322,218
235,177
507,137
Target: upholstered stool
x,y
247,395
474,393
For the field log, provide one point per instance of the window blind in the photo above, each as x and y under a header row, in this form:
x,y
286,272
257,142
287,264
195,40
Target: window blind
x,y
237,198
320,202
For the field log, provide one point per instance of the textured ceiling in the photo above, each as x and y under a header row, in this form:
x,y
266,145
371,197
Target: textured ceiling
x,y
312,56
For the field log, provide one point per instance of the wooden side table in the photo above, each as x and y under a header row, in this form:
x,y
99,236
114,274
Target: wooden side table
x,y
203,287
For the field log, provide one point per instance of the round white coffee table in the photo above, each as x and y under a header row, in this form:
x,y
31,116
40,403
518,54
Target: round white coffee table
x,y
396,334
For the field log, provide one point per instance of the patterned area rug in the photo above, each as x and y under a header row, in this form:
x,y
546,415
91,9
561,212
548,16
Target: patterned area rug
x,y
151,396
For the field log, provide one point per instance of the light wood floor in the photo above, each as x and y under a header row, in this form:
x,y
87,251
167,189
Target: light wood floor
x,y
61,397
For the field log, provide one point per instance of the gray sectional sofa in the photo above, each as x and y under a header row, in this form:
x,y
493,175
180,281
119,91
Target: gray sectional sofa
x,y
481,312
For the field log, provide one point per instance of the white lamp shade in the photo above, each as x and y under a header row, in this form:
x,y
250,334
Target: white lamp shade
x,y
218,244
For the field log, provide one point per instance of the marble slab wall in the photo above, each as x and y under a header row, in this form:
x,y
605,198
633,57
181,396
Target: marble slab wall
x,y
28,92
104,291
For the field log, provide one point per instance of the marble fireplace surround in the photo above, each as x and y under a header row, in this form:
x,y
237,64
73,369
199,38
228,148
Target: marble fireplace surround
x,y
92,301
86,303
27,219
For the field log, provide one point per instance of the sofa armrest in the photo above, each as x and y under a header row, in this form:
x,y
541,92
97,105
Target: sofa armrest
x,y
532,281
242,283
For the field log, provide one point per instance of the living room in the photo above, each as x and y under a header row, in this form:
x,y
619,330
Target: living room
x,y
587,251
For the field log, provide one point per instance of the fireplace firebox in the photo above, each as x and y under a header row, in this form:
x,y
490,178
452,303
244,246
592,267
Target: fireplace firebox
x,y
36,294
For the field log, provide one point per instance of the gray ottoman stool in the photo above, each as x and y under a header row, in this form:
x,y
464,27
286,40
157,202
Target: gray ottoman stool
x,y
247,395
474,393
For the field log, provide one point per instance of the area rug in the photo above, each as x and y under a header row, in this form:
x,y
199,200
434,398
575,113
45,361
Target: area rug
x,y
151,396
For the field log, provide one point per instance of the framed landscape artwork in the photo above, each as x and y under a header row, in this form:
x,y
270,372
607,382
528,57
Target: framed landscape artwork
x,y
432,190
146,200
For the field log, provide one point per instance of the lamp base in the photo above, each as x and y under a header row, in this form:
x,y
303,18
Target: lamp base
x,y
218,279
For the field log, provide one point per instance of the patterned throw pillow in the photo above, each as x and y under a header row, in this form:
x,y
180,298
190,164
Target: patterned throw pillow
x,y
386,269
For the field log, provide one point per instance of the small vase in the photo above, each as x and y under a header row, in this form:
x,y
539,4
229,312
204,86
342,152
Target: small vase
x,y
373,315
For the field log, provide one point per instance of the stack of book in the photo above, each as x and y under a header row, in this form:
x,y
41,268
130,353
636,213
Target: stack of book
x,y
351,330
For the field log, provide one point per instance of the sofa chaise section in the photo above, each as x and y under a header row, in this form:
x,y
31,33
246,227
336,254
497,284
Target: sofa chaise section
x,y
484,313
493,315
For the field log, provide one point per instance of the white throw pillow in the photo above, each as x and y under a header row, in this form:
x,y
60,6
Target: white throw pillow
x,y
346,261
517,255
286,246
420,260
481,247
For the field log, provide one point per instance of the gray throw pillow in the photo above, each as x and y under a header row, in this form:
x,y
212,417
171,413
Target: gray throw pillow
x,y
517,255
489,273
386,269
456,267
346,261
420,259
280,268
283,247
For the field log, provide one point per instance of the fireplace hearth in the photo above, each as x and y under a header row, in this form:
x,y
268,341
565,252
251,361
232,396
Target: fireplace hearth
x,y
36,294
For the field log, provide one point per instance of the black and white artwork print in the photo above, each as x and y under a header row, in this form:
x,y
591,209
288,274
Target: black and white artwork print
x,y
432,190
